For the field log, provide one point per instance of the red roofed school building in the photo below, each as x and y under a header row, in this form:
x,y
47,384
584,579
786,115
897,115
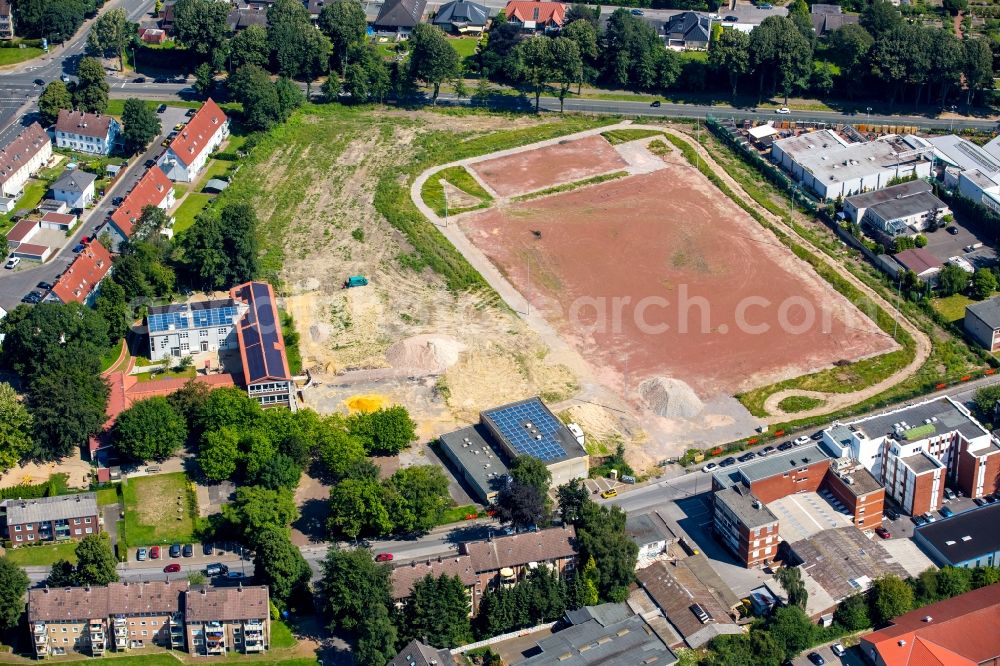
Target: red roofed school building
x,y
186,155
961,631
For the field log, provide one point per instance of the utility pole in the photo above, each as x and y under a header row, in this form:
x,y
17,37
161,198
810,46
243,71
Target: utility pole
x,y
444,190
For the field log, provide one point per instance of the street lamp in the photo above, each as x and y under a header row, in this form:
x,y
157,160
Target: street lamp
x,y
951,124
869,117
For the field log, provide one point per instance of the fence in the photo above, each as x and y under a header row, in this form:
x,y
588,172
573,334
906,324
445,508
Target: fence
x,y
502,637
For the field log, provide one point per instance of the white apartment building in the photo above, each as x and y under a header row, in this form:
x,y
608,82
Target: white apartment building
x,y
93,133
187,154
30,150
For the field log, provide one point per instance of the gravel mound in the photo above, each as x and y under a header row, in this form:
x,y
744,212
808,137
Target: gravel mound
x,y
670,397
425,353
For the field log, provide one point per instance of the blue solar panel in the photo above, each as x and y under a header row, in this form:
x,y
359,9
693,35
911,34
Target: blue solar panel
x,y
183,319
529,428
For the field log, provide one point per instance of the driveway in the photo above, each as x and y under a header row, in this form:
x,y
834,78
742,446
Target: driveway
x,y
851,658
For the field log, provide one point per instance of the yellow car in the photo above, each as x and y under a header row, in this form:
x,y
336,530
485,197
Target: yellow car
x,y
608,494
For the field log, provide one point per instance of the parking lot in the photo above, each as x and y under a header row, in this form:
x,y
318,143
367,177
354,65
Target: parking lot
x,y
803,514
851,658
943,245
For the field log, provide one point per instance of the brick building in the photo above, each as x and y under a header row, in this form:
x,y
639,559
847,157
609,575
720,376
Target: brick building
x,y
220,620
745,525
28,521
860,492
778,475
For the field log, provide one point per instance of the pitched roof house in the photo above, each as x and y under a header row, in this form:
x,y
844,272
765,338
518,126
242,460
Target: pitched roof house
x,y
75,187
153,189
23,156
536,14
920,261
262,347
82,280
688,30
462,16
400,15
186,155
86,132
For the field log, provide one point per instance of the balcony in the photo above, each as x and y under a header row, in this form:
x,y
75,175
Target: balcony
x,y
254,625
256,645
41,639
215,647
38,628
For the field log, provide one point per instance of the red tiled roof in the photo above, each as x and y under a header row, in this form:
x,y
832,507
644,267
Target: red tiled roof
x,y
22,230
20,151
196,134
84,274
59,218
84,124
937,635
918,260
151,190
525,10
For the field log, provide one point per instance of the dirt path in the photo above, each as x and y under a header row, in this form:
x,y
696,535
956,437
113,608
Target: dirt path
x,y
958,25
833,401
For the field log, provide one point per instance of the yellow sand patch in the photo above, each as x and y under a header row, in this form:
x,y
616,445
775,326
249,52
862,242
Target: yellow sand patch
x,y
366,403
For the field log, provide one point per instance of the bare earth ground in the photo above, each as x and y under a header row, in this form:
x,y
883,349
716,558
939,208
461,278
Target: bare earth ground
x,y
669,235
33,473
563,162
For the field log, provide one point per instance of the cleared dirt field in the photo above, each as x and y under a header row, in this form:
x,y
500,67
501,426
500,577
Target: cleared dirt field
x,y
660,276
564,162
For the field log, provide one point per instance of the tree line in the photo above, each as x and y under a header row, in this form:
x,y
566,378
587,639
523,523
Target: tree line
x,y
54,20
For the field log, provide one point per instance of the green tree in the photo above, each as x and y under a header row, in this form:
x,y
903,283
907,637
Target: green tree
x,y
357,506
953,581
280,471
68,407
331,88
983,576
188,399
572,497
791,580
756,648
791,629
289,97
891,597
952,280
13,587
337,450
95,560
432,60
584,34
249,47
351,583
634,57
251,86
279,564
417,497
565,66
228,407
110,33
384,431
850,45
298,50
140,125
986,399
204,79
953,7
255,510
880,17
54,98
367,77
437,611
150,430
222,251
344,22
15,428
852,613
521,505
984,283
91,93
533,61
601,535
219,454
533,472
55,20
376,638
947,61
42,339
731,54
779,50
978,68
113,308
201,25
256,449
62,573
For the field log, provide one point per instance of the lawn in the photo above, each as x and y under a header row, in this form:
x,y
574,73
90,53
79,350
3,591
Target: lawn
x,y
186,373
457,514
464,46
159,509
106,496
216,168
433,193
799,403
163,659
42,556
952,307
14,56
34,192
281,635
116,106
188,211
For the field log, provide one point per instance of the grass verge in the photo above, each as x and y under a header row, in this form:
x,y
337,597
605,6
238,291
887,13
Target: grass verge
x,y
952,307
799,403
433,191
281,635
617,136
42,556
189,210
457,514
159,509
106,496
576,184
14,56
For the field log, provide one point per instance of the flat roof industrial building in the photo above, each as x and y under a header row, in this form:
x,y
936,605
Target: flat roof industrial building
x,y
967,539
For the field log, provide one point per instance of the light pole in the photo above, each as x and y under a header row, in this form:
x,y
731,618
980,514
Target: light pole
x,y
951,124
444,191
869,116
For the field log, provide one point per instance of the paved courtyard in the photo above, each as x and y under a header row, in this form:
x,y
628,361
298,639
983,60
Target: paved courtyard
x,y
803,514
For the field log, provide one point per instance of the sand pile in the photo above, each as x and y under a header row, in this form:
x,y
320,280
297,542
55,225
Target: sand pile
x,y
367,403
670,397
425,353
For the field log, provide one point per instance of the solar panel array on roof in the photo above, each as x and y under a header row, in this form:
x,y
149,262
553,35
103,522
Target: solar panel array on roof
x,y
260,336
529,428
182,319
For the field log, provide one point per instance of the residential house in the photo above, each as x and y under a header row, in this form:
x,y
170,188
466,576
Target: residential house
x,y
64,517
462,17
86,132
961,630
924,265
536,15
6,20
982,322
181,329
153,189
399,16
20,159
405,576
688,30
262,347
187,154
75,187
243,15
967,539
827,18
650,532
81,282
916,450
418,654
223,620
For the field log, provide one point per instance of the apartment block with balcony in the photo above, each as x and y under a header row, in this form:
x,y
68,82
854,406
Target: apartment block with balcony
x,y
30,521
229,619
6,20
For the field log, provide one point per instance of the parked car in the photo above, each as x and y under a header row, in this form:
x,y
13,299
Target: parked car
x,y
656,103
44,285
783,110
117,201
638,12
709,467
766,451
140,79
172,568
990,499
838,649
64,78
728,462
882,532
154,553
383,557
140,555
817,658
216,569
188,550
12,262
207,549
979,501
190,112
930,517
731,19
799,441
818,435
39,82
891,515
161,108
947,512
749,455
919,521
149,163
234,575
32,297
953,231
161,79
175,550
949,494
79,247
784,446
609,493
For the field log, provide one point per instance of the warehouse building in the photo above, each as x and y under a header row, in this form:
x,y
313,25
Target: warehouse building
x,y
967,539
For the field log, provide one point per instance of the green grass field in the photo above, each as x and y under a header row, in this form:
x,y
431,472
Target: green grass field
x,y
14,56
457,514
464,46
615,137
106,496
159,509
216,169
433,192
798,403
281,635
42,556
187,373
188,211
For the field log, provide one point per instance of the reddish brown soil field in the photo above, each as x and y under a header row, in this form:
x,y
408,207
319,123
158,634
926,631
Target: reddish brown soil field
x,y
552,165
736,302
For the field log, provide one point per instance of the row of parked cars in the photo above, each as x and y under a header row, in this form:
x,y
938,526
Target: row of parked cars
x,y
762,453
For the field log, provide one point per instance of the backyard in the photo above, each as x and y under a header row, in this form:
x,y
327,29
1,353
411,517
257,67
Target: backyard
x,y
39,556
190,209
159,509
